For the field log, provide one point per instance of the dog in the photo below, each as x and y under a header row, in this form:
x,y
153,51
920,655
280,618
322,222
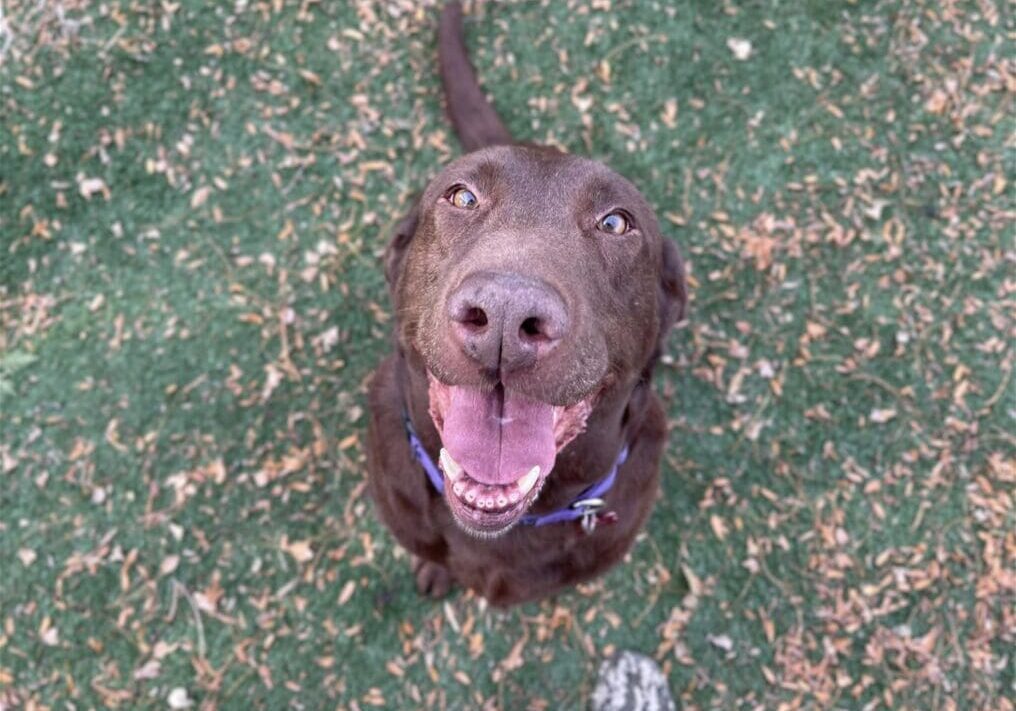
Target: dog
x,y
514,441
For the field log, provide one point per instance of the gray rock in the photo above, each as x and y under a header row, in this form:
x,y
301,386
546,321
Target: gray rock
x,y
629,681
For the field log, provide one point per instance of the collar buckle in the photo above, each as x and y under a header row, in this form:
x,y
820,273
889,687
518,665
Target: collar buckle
x,y
590,508
590,505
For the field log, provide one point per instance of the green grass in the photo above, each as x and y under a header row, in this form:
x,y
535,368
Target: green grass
x,y
183,353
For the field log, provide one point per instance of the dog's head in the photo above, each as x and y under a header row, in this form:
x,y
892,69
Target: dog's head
x,y
529,282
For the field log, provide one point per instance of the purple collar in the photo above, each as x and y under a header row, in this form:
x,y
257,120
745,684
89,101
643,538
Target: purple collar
x,y
587,506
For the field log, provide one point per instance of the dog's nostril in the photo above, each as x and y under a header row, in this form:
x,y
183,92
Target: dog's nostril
x,y
475,317
532,329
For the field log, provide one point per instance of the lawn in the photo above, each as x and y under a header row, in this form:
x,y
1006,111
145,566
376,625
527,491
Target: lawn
x,y
193,200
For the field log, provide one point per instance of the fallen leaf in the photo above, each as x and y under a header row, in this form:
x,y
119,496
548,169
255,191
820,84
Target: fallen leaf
x,y
178,699
48,634
719,526
741,48
669,115
148,670
300,550
169,564
722,641
310,77
200,196
882,416
937,102
90,186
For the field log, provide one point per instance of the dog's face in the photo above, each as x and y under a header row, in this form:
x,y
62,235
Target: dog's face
x,y
528,282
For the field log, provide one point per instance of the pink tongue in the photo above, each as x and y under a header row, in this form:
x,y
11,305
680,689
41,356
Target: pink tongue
x,y
497,444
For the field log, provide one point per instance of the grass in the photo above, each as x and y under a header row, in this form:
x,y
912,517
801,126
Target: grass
x,y
193,199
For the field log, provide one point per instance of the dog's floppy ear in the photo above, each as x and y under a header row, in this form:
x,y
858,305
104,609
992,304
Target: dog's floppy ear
x,y
673,291
672,294
395,252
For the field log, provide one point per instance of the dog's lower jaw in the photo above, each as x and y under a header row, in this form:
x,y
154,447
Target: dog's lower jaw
x,y
483,535
487,535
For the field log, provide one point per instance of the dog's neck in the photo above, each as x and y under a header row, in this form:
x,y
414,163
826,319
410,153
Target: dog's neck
x,y
614,422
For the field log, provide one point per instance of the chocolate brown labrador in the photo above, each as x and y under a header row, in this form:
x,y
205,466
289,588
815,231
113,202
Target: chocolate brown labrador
x,y
533,292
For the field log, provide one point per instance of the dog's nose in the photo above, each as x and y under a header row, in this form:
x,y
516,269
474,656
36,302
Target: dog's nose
x,y
506,322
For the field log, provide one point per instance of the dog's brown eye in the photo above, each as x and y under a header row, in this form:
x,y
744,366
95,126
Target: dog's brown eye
x,y
615,223
464,198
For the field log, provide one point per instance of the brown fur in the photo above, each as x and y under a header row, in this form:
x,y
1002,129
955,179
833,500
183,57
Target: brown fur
x,y
538,215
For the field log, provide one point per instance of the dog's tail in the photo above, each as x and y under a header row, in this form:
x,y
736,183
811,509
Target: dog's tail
x,y
474,119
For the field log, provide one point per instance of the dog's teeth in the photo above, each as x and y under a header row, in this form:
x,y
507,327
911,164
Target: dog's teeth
x,y
458,488
513,495
527,482
449,465
470,496
502,501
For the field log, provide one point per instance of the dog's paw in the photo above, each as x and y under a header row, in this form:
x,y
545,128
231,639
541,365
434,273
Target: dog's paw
x,y
432,579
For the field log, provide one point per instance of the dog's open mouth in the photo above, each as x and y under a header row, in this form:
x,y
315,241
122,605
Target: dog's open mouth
x,y
498,449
